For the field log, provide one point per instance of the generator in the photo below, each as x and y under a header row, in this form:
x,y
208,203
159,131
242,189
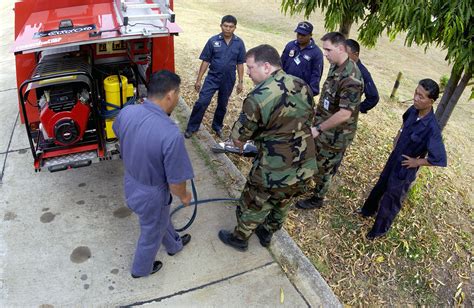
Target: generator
x,y
78,63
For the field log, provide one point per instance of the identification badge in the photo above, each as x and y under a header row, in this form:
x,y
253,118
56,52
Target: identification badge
x,y
217,44
291,54
326,104
307,58
297,60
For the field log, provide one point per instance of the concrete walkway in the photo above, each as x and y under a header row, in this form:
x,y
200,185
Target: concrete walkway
x,y
67,238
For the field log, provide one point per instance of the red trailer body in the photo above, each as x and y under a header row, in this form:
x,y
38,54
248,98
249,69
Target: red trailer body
x,y
78,62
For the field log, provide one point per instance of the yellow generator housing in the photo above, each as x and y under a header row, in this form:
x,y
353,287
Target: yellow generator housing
x,y
112,96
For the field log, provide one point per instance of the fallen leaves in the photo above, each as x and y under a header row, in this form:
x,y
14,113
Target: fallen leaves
x,y
379,259
420,259
459,295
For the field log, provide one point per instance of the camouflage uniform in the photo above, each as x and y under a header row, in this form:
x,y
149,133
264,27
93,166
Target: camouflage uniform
x,y
342,89
277,116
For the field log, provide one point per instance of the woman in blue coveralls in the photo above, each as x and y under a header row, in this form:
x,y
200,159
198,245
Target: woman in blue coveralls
x,y
417,144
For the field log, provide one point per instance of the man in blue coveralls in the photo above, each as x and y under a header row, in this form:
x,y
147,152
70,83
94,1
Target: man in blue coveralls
x,y
156,163
222,54
370,90
302,58
417,144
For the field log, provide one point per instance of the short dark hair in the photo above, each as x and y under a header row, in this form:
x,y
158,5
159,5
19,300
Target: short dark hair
x,y
431,87
162,82
336,38
230,19
353,45
265,53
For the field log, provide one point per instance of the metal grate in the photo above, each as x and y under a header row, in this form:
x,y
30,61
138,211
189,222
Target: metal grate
x,y
50,65
70,158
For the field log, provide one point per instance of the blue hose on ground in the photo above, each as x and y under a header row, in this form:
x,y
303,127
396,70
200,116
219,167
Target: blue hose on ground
x,y
196,203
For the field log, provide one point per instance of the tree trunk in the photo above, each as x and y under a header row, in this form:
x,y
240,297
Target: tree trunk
x,y
448,92
454,99
345,27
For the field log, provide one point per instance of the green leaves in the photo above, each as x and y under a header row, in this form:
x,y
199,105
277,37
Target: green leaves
x,y
336,11
444,23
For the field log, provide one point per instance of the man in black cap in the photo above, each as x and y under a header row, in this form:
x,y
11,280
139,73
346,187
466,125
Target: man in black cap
x,y
302,58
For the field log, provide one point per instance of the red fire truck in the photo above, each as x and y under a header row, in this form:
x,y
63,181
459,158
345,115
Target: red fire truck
x,y
78,62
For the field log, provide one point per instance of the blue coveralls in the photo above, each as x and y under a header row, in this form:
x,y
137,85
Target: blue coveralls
x,y
417,138
306,63
154,156
370,90
222,60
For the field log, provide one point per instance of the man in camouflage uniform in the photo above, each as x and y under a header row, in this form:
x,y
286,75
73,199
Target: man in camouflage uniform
x,y
277,116
336,115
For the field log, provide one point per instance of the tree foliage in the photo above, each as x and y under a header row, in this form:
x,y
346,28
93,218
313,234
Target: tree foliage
x,y
337,12
448,24
445,24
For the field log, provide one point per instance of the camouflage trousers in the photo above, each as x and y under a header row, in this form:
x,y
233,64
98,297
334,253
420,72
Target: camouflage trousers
x,y
328,161
264,206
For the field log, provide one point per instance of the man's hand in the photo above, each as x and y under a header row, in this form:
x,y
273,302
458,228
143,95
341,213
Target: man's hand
x,y
180,190
240,87
410,162
239,144
186,199
197,85
314,132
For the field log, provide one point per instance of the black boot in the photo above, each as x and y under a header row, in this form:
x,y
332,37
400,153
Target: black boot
x,y
264,236
157,265
229,238
185,239
311,203
371,235
360,211
219,134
